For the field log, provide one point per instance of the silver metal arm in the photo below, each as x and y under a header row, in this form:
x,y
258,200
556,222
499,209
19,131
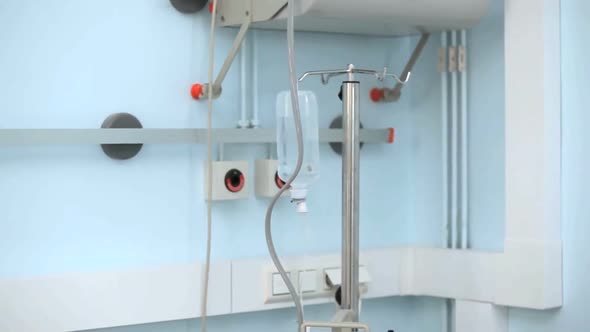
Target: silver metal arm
x,y
228,62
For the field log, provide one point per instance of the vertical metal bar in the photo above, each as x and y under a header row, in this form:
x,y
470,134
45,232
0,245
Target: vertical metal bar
x,y
464,149
454,144
244,84
350,197
444,64
445,141
255,122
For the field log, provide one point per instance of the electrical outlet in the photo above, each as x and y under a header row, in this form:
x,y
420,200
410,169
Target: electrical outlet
x,y
267,178
230,180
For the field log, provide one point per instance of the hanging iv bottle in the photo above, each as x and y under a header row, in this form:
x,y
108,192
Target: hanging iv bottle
x,y
287,144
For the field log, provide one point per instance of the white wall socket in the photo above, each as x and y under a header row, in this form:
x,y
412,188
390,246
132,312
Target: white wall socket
x,y
230,180
267,180
314,279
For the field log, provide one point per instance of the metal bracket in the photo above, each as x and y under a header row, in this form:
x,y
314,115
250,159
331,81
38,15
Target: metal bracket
x,y
462,59
121,151
453,59
230,13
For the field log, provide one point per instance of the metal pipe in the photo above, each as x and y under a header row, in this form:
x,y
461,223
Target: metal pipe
x,y
243,122
446,227
255,122
445,138
350,196
454,142
464,149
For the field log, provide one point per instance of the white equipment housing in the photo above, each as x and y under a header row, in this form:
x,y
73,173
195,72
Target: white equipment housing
x,y
366,17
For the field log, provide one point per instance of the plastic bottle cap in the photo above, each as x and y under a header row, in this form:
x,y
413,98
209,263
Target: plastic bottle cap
x,y
298,193
301,206
197,91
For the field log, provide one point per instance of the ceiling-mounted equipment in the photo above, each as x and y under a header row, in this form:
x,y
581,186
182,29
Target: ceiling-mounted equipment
x,y
368,17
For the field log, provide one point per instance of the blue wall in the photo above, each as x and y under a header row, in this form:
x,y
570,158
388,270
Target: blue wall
x,y
69,208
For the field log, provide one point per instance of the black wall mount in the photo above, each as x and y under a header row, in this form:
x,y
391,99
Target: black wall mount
x,y
189,6
121,151
337,124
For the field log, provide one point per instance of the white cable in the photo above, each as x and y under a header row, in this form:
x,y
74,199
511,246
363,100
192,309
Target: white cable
x,y
205,284
300,151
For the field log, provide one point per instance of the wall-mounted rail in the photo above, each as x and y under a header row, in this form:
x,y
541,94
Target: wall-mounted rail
x,y
9,137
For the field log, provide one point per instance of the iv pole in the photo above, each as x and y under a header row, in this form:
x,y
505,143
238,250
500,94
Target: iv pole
x,y
349,307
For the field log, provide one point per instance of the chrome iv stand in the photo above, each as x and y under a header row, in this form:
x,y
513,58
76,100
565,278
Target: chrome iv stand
x,y
348,315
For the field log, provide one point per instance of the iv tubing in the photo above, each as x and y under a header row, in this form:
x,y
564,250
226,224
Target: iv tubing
x,y
298,130
205,284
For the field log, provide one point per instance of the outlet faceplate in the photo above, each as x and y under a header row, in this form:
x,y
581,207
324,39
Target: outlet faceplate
x,y
267,180
230,180
313,279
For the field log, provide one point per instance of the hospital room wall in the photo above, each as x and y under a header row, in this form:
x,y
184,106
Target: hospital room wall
x,y
485,73
69,209
141,57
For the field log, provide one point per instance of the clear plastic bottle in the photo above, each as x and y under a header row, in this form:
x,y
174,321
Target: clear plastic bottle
x,y
287,144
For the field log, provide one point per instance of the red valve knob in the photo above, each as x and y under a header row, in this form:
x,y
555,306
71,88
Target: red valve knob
x,y
211,7
376,95
197,91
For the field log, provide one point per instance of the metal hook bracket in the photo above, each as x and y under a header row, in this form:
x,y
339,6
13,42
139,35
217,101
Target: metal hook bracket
x,y
391,95
351,70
